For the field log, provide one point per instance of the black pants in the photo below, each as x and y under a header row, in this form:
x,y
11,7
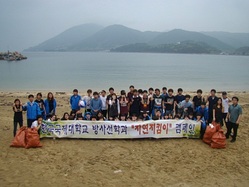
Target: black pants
x,y
29,122
231,126
224,116
88,110
219,119
210,116
15,126
104,113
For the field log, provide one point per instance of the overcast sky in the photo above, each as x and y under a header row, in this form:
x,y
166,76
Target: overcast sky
x,y
25,23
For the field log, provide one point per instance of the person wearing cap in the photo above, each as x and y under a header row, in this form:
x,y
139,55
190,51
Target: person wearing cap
x,y
74,101
225,103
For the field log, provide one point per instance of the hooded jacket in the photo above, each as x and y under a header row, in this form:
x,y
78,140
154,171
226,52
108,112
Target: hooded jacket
x,y
33,110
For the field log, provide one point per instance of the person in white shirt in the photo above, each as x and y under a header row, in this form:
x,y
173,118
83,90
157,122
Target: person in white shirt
x,y
87,99
37,123
225,104
104,105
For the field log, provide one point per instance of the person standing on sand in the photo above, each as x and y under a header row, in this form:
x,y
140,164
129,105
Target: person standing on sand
x,y
164,92
179,98
211,101
114,107
108,98
50,104
135,104
150,97
233,118
169,103
145,103
96,104
157,102
123,101
197,100
75,100
104,105
225,103
33,110
218,111
18,118
40,102
130,95
87,99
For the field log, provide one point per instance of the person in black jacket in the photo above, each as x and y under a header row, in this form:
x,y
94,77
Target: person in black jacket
x,y
18,118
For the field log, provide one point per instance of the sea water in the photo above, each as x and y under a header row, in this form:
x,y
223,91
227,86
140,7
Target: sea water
x,y
64,71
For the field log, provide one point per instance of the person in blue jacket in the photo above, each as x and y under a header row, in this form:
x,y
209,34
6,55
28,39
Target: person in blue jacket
x,y
50,105
33,110
95,104
74,101
203,110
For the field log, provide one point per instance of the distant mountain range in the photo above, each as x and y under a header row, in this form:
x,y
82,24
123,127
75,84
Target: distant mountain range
x,y
118,38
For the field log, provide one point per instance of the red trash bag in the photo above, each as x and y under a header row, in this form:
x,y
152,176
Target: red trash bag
x,y
32,138
210,130
19,140
219,140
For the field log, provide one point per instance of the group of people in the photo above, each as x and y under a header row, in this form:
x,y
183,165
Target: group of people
x,y
136,105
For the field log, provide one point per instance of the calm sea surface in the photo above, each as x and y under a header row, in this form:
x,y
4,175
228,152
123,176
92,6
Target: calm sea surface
x,y
59,71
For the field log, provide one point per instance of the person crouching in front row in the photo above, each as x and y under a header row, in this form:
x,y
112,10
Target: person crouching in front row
x,y
37,123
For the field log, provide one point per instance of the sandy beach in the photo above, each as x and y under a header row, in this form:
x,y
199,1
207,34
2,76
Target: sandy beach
x,y
146,162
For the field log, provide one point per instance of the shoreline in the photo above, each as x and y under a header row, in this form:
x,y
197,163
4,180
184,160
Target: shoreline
x,y
117,91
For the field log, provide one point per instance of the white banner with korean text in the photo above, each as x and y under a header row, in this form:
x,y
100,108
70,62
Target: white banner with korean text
x,y
121,129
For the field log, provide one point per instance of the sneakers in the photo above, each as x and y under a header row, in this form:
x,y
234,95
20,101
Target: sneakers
x,y
232,141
